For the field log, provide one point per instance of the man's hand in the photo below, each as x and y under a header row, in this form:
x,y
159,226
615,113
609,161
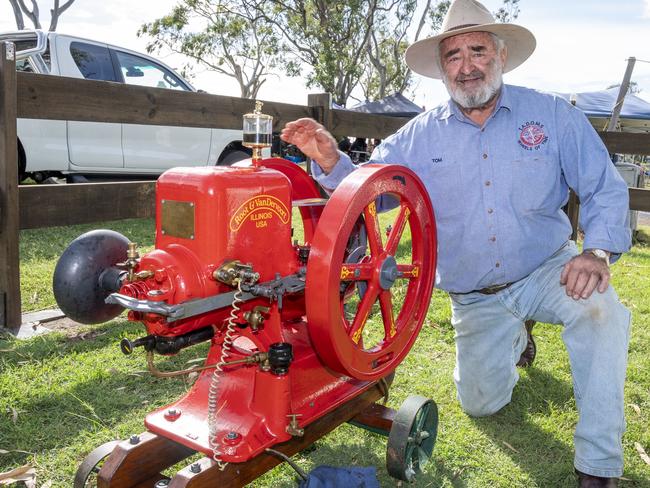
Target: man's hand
x,y
313,140
583,273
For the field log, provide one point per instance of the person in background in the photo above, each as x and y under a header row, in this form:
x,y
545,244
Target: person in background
x,y
359,144
344,145
498,161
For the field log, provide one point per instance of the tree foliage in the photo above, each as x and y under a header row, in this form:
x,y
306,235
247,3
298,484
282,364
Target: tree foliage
x,y
327,40
225,36
337,46
21,11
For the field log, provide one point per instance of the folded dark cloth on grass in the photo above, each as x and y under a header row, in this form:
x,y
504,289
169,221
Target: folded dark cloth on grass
x,y
341,477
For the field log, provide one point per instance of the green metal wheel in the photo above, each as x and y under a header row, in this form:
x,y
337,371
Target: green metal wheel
x,y
412,437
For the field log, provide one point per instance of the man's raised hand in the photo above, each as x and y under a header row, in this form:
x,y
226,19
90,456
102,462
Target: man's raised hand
x,y
313,140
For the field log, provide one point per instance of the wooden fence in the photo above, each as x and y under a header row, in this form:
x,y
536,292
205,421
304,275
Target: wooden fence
x,y
28,95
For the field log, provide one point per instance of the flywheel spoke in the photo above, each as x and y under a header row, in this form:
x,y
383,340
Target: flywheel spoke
x,y
409,271
363,311
372,226
397,230
356,271
386,305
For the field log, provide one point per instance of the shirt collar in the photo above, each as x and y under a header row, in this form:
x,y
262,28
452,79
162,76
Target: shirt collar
x,y
451,108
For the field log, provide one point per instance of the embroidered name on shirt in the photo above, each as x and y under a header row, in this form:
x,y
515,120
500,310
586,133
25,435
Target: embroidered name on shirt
x,y
532,136
436,160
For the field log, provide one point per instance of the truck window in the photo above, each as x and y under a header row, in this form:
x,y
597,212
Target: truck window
x,y
24,65
28,64
94,62
143,72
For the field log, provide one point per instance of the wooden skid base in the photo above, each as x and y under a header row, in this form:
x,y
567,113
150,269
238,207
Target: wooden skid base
x,y
139,465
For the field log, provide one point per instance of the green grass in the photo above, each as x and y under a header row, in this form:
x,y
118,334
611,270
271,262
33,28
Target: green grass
x,y
62,394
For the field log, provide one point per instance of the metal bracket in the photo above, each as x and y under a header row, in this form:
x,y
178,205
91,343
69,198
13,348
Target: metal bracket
x,y
272,289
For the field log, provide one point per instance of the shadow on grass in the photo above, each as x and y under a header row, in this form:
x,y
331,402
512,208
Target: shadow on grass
x,y
547,460
364,453
89,338
98,396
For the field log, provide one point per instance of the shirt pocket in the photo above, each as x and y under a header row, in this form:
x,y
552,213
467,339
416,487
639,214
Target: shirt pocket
x,y
534,183
444,189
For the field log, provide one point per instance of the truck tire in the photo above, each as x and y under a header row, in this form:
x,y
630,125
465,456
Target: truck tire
x,y
22,162
233,156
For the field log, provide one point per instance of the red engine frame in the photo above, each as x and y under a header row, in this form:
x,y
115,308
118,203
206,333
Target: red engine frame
x,y
208,216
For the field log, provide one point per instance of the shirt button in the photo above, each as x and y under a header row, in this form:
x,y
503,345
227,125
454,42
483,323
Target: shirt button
x,y
484,156
493,238
490,210
487,183
497,264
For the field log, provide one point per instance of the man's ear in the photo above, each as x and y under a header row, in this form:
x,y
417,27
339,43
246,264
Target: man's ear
x,y
504,55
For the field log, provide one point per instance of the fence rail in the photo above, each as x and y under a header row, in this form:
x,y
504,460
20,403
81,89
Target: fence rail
x,y
28,95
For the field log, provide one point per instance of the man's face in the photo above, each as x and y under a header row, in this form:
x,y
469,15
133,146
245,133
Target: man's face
x,y
472,68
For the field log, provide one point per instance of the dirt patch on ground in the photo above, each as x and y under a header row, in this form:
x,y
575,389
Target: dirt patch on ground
x,y
65,325
36,323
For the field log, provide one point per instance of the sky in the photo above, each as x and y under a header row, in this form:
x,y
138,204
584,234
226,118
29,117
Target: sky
x,y
582,45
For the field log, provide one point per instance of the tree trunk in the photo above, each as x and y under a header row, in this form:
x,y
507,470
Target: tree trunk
x,y
57,11
20,22
31,14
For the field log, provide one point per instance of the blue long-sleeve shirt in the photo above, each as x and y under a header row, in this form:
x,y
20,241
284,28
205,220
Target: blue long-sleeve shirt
x,y
497,190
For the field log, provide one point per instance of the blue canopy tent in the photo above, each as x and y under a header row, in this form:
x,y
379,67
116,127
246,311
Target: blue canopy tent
x,y
598,106
396,105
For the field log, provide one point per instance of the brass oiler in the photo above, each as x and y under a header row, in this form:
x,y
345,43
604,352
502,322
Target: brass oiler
x,y
131,262
257,132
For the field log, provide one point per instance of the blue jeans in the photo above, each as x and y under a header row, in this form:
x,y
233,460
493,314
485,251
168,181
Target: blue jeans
x,y
490,337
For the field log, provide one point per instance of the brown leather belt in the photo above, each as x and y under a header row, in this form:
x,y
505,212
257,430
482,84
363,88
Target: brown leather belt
x,y
491,290
488,290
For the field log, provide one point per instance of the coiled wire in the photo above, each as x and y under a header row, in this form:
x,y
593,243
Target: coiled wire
x,y
213,392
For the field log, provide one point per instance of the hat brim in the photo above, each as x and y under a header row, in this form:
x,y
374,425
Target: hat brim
x,y
520,42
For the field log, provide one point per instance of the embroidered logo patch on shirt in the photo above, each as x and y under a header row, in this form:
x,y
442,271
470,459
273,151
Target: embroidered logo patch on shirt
x,y
532,135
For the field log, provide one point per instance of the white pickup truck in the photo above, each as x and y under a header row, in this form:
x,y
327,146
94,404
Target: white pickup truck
x,y
78,150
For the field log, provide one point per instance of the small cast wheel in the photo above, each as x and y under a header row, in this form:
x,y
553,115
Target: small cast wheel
x,y
369,276
87,472
412,437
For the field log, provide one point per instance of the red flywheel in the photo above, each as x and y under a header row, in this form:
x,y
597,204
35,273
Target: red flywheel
x,y
370,275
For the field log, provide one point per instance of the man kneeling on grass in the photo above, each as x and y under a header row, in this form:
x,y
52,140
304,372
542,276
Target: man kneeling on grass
x,y
498,161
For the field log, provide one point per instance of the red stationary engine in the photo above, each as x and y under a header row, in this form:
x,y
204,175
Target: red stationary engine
x,y
299,324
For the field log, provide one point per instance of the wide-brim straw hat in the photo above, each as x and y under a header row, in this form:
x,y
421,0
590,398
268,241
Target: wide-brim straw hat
x,y
466,16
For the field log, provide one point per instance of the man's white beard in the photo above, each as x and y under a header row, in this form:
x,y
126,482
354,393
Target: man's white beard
x,y
480,96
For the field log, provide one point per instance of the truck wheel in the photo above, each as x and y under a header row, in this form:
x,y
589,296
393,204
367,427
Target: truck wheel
x,y
232,157
22,163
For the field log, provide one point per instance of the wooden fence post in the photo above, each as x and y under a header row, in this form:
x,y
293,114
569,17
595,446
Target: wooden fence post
x,y
321,106
10,316
573,212
321,110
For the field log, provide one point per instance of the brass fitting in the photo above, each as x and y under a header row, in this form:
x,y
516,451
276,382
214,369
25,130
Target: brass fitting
x,y
258,357
255,317
231,272
293,428
143,275
131,262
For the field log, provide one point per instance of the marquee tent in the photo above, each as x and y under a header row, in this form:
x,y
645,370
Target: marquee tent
x,y
396,105
598,106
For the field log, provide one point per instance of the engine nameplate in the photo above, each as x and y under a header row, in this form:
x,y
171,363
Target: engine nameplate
x,y
177,218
